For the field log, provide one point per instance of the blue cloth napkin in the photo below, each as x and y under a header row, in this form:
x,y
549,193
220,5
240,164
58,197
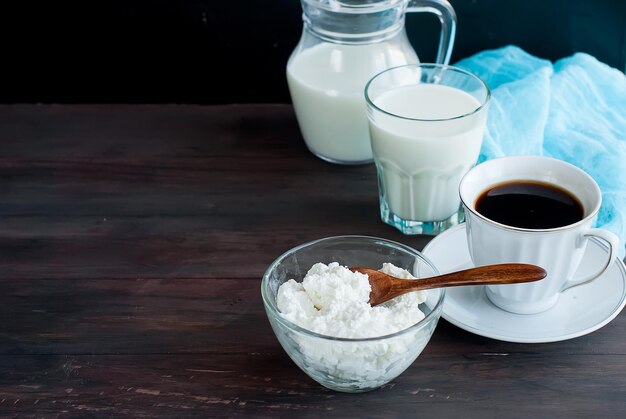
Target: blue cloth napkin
x,y
573,110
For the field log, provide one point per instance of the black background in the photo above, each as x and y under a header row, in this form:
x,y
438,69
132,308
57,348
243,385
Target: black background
x,y
203,51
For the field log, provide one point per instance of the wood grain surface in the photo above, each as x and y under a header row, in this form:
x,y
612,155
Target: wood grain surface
x,y
132,243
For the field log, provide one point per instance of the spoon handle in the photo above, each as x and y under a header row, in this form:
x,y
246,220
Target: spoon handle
x,y
505,273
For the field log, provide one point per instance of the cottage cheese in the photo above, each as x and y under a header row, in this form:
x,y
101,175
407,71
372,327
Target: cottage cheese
x,y
333,301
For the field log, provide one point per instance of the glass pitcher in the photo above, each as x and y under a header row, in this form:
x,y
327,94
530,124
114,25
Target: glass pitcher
x,y
343,45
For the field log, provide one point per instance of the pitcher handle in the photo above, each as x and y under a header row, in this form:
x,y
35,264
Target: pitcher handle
x,y
447,17
612,242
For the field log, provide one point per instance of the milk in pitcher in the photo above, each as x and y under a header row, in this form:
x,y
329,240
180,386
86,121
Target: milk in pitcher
x,y
326,84
343,45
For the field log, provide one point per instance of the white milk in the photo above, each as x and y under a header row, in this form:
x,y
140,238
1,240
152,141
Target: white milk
x,y
421,162
327,85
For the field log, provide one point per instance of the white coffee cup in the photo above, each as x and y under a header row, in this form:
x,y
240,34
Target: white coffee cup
x,y
558,250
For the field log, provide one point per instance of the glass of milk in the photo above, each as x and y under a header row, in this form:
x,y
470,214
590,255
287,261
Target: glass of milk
x,y
426,125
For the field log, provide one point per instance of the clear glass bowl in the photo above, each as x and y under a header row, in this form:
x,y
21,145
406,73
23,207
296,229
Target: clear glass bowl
x,y
351,365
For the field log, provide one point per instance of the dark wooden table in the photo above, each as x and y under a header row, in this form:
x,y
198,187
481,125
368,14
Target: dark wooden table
x,y
132,243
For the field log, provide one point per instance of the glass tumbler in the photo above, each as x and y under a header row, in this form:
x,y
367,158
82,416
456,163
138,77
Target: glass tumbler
x,y
426,126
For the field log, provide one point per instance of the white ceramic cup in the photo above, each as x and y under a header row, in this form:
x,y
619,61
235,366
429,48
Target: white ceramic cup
x,y
558,250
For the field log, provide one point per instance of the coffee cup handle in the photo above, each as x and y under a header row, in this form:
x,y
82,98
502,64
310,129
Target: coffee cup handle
x,y
613,244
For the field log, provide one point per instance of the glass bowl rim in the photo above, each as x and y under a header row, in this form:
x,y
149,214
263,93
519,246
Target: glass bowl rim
x,y
271,309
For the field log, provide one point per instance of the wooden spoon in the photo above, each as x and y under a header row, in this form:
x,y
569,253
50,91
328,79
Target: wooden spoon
x,y
385,287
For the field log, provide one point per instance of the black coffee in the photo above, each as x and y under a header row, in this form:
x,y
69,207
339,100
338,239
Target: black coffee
x,y
527,204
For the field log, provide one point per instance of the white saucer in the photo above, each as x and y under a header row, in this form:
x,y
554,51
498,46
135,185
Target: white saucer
x,y
579,311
